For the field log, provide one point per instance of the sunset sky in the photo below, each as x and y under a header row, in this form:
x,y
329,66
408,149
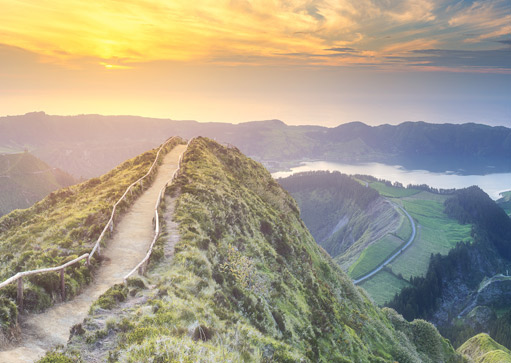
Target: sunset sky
x,y
305,62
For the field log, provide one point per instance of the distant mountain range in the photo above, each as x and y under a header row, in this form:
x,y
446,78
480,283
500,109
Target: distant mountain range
x,y
24,180
89,145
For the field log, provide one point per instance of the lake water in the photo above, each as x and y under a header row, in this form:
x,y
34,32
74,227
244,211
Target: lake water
x,y
492,184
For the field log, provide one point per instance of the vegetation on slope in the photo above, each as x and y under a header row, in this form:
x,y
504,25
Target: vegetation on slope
x,y
442,293
341,213
483,349
58,229
24,180
345,217
248,283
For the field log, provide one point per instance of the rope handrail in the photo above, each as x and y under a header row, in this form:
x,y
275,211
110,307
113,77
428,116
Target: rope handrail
x,y
139,267
19,276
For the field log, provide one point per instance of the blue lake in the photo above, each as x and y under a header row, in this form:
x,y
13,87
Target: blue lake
x,y
492,184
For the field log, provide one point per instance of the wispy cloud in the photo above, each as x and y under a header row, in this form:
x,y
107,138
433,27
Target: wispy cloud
x,y
119,34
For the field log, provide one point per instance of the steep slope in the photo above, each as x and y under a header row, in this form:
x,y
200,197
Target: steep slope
x,y
248,283
483,349
24,180
344,216
61,227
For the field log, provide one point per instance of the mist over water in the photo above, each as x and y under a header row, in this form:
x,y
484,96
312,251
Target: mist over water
x,y
493,184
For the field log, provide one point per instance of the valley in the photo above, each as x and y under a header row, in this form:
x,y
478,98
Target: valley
x,y
417,228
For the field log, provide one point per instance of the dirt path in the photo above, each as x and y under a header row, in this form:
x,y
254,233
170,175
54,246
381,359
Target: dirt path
x,y
129,244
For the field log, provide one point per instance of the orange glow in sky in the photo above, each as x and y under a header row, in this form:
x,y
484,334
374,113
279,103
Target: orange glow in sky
x,y
54,54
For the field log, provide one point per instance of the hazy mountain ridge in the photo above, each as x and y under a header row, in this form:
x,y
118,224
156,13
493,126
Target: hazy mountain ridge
x,y
89,145
24,180
247,283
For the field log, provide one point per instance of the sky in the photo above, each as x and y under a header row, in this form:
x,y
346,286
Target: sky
x,y
321,62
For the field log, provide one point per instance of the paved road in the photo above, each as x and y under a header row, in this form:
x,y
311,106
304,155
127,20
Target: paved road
x,y
391,258
129,244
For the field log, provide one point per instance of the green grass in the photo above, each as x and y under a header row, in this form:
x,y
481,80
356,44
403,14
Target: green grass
x,y
248,283
405,229
374,255
383,286
392,192
437,234
61,227
483,349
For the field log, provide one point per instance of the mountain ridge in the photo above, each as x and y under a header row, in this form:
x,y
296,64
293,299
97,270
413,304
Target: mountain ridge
x,y
77,144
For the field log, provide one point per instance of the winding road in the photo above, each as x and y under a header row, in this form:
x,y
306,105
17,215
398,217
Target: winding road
x,y
391,258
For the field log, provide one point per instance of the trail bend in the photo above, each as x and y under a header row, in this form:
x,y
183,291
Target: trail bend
x,y
129,244
391,258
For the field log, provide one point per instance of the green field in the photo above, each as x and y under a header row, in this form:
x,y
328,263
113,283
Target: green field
x,y
392,192
405,229
383,286
374,255
436,233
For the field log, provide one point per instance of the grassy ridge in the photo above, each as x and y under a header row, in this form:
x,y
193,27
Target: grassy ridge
x,y
58,229
248,283
483,349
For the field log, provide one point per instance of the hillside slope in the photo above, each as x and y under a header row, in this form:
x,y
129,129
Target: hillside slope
x,y
483,349
61,227
24,180
344,216
247,282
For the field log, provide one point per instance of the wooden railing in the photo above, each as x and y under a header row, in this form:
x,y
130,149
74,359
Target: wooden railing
x,y
62,268
141,267
110,224
87,256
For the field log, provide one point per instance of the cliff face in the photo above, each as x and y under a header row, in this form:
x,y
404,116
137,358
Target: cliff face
x,y
247,282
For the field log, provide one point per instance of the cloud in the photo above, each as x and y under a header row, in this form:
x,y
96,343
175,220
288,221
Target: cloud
x,y
497,59
120,33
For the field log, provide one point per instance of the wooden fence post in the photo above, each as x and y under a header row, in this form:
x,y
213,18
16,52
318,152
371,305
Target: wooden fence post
x,y
20,294
63,284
